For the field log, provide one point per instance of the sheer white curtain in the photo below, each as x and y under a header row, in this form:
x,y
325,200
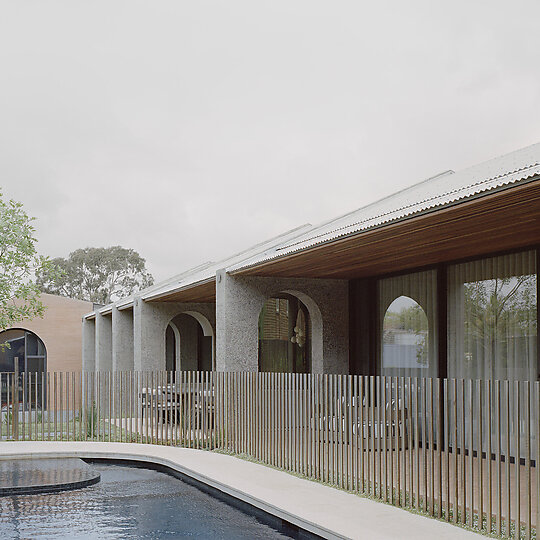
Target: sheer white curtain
x,y
492,326
408,325
492,335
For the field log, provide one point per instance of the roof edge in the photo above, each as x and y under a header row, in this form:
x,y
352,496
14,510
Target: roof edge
x,y
431,210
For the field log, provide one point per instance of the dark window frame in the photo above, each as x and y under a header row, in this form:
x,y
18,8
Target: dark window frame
x,y
370,366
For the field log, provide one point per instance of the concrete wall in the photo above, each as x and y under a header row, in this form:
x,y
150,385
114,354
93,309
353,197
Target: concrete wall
x,y
239,303
137,339
89,345
122,340
189,342
150,322
103,342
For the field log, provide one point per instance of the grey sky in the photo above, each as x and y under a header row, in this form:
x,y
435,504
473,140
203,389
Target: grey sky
x,y
188,130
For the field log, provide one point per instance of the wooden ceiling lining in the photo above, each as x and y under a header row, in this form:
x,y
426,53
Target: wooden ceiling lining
x,y
506,220
203,293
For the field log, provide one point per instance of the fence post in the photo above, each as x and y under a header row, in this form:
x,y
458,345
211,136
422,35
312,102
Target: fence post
x,y
416,442
15,395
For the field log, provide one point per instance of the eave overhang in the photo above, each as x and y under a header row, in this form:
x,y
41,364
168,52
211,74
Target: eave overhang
x,y
504,219
203,291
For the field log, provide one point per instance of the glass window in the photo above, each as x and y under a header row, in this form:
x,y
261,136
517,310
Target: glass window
x,y
405,335
284,344
170,349
492,333
408,325
30,353
492,318
23,345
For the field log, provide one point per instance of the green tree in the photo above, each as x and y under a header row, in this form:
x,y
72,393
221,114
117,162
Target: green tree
x,y
498,310
100,275
19,263
409,320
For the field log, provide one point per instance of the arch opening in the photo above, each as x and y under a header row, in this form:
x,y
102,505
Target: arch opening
x,y
284,335
23,351
405,337
189,343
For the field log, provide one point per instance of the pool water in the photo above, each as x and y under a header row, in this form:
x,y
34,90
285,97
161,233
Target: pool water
x,y
129,503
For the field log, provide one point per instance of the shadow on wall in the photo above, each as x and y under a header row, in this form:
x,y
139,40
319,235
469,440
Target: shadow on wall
x,y
189,345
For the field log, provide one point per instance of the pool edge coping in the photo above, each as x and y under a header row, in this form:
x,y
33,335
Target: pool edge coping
x,y
316,508
246,498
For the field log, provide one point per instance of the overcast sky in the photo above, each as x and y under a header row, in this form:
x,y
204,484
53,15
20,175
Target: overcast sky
x,y
190,129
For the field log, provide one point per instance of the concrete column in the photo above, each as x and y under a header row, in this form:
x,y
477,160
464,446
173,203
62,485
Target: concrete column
x,y
88,345
122,339
149,325
239,303
103,342
237,314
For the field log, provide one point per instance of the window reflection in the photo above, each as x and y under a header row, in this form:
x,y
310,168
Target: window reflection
x,y
493,318
405,335
22,351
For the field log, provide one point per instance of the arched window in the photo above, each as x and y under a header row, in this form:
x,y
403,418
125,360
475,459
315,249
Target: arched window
x,y
24,346
284,336
408,344
23,351
405,345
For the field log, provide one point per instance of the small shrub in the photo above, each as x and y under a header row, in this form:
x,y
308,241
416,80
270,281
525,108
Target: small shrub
x,y
91,421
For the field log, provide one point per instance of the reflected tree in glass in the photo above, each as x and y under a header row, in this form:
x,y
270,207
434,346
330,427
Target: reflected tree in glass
x,y
405,335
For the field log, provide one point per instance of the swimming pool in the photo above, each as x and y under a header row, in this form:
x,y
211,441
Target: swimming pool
x,y
130,503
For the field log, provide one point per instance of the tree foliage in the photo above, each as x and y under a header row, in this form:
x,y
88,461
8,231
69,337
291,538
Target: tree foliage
x,y
410,320
100,275
19,262
498,312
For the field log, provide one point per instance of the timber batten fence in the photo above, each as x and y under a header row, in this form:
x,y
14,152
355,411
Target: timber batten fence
x,y
460,450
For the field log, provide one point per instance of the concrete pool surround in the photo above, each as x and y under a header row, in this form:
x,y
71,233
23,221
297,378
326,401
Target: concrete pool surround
x,y
310,506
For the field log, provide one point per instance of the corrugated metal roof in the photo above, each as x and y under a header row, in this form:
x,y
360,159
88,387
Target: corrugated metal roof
x,y
202,273
437,192
442,190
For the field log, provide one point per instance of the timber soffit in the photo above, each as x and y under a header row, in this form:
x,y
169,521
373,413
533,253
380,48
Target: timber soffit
x,y
443,190
200,275
435,193
207,274
128,302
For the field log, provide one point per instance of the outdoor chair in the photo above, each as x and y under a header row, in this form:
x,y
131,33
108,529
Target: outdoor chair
x,y
333,423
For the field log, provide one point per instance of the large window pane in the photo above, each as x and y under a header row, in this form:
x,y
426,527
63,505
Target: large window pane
x,y
492,335
492,326
408,325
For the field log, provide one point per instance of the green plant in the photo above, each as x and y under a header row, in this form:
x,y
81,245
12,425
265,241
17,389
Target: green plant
x,y
91,423
19,262
100,275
